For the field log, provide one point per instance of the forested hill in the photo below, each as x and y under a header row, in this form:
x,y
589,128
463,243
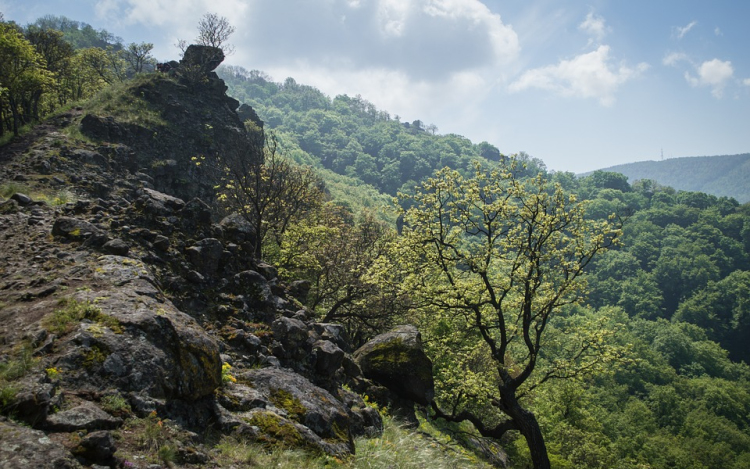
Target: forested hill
x,y
350,136
727,175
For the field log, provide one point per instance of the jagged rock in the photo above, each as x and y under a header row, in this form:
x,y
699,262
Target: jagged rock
x,y
269,271
196,212
292,333
328,358
97,447
91,157
83,417
247,113
23,448
300,289
205,255
397,360
142,343
254,286
161,243
158,203
207,58
335,333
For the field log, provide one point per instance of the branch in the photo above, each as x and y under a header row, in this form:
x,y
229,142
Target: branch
x,y
495,432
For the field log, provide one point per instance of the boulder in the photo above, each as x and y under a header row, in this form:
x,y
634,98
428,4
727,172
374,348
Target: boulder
x,y
397,360
22,447
328,358
308,414
83,417
205,255
207,58
97,447
140,342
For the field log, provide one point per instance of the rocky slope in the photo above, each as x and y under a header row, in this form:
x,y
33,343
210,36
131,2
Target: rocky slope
x,y
135,326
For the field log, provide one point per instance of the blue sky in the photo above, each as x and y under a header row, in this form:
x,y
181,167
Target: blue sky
x,y
581,85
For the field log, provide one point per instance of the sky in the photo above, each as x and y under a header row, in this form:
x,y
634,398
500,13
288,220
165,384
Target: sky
x,y
580,85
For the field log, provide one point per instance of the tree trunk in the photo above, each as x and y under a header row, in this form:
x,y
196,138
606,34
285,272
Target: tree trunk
x,y
528,426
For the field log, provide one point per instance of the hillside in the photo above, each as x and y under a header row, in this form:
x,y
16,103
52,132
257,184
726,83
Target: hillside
x,y
727,175
137,329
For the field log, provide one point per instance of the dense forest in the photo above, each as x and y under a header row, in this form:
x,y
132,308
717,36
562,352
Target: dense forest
x,y
660,379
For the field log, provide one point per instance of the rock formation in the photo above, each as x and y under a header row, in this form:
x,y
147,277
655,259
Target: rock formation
x,y
126,302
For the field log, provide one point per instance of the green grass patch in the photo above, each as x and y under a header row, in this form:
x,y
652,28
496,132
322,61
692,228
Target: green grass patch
x,y
71,312
127,104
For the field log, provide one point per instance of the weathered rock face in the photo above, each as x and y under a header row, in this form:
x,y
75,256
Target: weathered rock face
x,y
141,343
196,121
397,360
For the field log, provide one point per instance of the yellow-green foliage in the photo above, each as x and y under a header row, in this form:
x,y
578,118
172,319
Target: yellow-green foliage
x,y
226,374
70,312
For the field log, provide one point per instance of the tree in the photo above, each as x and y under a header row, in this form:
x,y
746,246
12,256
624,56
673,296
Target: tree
x,y
264,188
333,252
214,30
23,78
138,55
491,260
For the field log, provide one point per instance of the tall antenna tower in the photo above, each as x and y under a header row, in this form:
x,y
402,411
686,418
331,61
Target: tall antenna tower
x,y
662,154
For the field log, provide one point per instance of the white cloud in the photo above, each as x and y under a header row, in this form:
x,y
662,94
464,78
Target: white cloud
x,y
674,58
594,26
746,82
393,15
680,32
714,74
589,75
718,32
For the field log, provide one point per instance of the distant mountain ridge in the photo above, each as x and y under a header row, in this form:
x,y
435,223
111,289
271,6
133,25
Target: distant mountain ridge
x,y
726,175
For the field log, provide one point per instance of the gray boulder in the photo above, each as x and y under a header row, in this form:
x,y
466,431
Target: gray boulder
x,y
397,360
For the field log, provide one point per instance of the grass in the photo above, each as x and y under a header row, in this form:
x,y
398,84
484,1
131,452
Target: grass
x,y
50,197
396,448
123,102
8,137
21,363
70,312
